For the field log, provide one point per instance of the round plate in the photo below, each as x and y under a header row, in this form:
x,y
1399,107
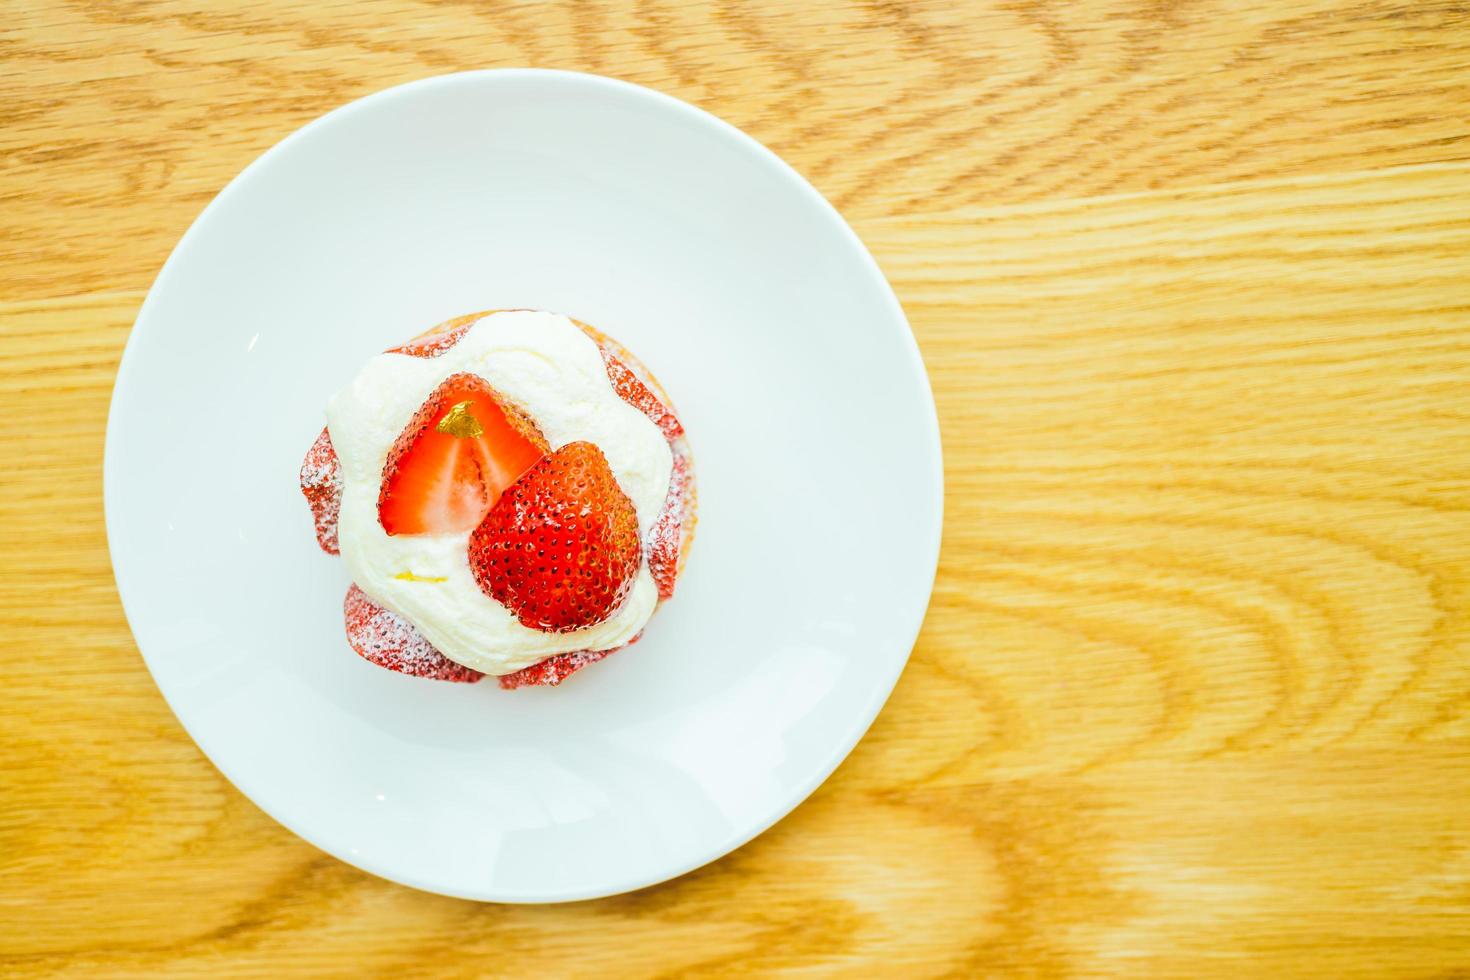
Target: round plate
x,y
793,369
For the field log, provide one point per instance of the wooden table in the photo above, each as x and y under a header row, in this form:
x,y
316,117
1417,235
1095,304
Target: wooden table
x,y
1193,284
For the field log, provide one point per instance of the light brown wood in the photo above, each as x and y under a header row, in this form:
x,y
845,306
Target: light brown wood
x,y
1193,698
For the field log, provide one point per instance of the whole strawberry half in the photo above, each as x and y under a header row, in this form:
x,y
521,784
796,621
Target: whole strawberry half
x,y
460,450
560,548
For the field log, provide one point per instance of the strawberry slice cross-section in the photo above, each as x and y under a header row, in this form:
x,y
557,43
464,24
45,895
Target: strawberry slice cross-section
x,y
461,450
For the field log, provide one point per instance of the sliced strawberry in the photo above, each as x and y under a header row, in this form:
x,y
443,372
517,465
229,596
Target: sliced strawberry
x,y
553,670
560,548
441,338
669,533
455,457
433,343
631,389
321,484
388,640
666,539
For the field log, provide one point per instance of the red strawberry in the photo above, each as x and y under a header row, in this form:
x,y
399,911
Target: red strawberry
x,y
389,640
553,670
321,483
434,343
455,457
666,538
560,548
444,336
631,389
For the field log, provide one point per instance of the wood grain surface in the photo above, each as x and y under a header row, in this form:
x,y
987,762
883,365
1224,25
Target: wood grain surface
x,y
1192,280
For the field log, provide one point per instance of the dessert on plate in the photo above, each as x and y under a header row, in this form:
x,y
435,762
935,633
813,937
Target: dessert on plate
x,y
512,493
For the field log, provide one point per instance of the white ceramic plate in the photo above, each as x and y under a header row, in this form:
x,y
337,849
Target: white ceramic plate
x,y
794,372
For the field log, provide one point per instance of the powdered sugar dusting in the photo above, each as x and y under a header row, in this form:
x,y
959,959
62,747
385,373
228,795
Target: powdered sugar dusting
x,y
675,521
670,535
321,483
389,640
632,389
432,345
553,670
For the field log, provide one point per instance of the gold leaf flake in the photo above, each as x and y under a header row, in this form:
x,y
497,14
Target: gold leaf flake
x,y
411,577
460,423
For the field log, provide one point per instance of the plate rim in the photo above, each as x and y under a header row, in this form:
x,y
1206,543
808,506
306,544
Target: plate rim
x,y
932,535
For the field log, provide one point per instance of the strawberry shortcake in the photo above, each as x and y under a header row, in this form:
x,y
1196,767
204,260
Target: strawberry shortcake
x,y
512,495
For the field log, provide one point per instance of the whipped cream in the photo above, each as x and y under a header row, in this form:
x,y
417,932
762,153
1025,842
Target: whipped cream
x,y
555,373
